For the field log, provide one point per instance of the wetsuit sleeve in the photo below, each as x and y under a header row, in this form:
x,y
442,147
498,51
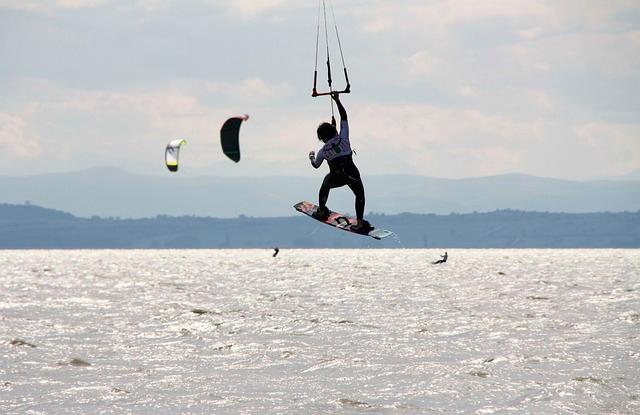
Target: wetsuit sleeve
x,y
344,125
319,158
344,129
341,110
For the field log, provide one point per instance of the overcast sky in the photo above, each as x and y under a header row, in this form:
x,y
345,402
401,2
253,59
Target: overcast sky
x,y
451,88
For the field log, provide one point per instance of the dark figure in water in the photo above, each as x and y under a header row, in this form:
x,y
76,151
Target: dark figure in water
x,y
275,252
342,171
444,258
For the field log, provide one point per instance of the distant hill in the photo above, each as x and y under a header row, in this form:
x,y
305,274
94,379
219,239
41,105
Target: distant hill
x,y
112,192
27,226
633,176
28,212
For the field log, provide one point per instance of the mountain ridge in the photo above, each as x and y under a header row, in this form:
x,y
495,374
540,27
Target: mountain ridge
x,y
108,191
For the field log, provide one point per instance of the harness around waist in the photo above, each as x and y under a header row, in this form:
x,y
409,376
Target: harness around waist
x,y
341,162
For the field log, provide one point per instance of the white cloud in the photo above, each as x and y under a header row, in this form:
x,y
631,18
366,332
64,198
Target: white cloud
x,y
379,24
153,104
251,8
178,99
49,5
611,53
254,90
14,138
604,134
531,33
545,33
147,119
442,141
78,4
422,64
542,66
155,115
539,98
603,142
419,17
244,8
472,87
531,19
467,91
453,11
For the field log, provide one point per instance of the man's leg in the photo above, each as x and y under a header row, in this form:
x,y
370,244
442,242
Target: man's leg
x,y
358,190
324,190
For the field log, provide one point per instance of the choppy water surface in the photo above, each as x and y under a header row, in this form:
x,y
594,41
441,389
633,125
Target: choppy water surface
x,y
320,331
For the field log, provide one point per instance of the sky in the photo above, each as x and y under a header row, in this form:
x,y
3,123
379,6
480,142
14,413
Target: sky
x,y
444,88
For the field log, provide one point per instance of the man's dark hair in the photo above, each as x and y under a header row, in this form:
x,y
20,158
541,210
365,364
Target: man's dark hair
x,y
326,132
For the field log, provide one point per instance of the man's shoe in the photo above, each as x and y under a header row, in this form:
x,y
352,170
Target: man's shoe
x,y
361,227
322,213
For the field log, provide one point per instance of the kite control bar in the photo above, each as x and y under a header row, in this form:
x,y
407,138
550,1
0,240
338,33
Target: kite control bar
x,y
315,92
322,11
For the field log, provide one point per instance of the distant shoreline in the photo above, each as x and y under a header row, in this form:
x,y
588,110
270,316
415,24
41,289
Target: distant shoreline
x,y
33,227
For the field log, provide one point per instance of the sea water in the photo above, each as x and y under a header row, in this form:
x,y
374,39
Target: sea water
x,y
319,332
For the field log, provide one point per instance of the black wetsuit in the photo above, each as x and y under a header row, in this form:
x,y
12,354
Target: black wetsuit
x,y
343,171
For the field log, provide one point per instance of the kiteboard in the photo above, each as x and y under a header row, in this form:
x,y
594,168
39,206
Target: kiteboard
x,y
340,221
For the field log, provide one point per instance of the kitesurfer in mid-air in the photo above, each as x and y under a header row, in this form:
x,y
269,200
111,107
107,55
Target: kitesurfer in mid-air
x,y
342,171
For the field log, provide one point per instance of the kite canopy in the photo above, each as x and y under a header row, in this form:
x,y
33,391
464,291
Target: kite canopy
x,y
229,137
171,154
